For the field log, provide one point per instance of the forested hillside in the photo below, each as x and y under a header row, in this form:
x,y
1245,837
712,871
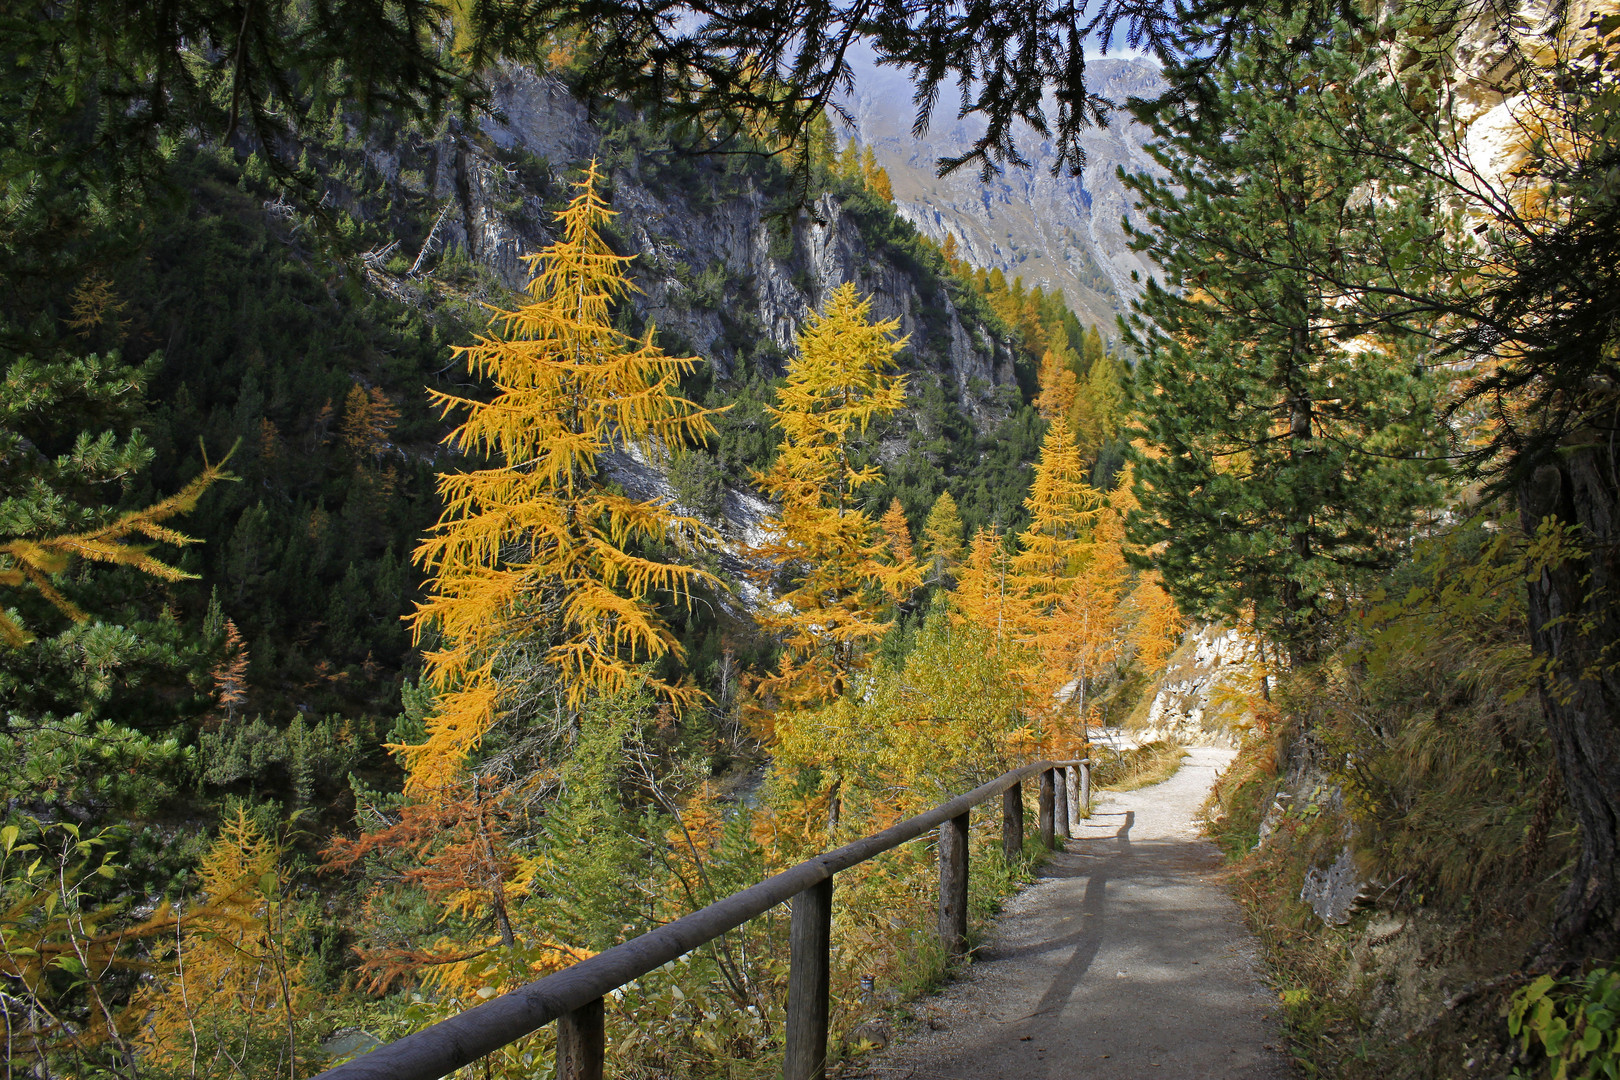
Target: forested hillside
x,y
483,481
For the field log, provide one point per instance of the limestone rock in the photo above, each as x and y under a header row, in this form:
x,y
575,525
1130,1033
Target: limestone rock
x,y
1334,893
1202,696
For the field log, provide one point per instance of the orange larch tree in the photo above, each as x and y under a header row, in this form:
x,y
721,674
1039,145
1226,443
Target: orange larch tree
x,y
540,543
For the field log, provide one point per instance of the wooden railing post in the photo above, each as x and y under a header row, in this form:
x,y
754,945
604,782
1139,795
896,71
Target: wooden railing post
x,y
573,997
809,945
1071,784
1012,824
953,885
1060,804
1085,787
1044,804
581,1042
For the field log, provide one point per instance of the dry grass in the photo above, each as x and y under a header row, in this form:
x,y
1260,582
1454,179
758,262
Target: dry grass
x,y
1146,765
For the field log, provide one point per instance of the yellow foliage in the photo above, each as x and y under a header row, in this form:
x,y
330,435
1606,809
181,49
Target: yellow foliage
x,y
539,544
368,422
31,563
231,981
942,537
1059,386
840,570
1063,507
898,531
981,596
1157,626
950,715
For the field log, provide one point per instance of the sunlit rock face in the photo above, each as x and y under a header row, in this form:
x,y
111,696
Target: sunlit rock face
x,y
1204,695
1057,232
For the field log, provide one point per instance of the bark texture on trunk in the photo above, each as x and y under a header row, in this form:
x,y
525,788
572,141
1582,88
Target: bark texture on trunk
x,y
1574,611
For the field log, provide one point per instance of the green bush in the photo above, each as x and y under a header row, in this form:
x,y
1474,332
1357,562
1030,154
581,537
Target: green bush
x,y
1573,1022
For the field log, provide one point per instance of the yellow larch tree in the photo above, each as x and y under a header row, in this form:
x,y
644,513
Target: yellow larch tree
x,y
1085,631
898,530
232,990
1057,602
1063,507
1059,385
942,538
540,544
981,596
831,562
1156,621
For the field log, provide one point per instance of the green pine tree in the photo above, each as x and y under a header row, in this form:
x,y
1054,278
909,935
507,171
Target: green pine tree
x,y
1292,447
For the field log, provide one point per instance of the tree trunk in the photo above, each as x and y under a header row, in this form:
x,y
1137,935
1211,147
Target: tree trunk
x,y
1575,624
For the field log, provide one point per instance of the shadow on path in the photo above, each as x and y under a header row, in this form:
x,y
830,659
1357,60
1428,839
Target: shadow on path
x,y
1125,960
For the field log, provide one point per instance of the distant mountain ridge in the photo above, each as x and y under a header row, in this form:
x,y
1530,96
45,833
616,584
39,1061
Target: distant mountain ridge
x,y
1056,232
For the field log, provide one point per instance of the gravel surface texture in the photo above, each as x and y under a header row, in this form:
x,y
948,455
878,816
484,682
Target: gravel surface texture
x,y
1127,959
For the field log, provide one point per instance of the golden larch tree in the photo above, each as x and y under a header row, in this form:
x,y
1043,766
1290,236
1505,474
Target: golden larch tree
x,y
231,985
896,528
833,563
981,595
1085,631
1063,507
1059,385
942,538
540,543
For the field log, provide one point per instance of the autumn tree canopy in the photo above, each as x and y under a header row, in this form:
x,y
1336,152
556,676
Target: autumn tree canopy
x,y
837,567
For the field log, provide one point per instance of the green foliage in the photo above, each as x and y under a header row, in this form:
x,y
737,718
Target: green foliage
x,y
299,759
699,482
1573,1022
590,854
1291,445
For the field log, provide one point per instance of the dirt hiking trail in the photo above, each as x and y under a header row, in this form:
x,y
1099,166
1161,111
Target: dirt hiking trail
x,y
1125,960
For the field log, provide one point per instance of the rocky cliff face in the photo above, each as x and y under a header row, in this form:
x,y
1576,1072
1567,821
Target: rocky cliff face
x,y
1206,694
1056,231
721,267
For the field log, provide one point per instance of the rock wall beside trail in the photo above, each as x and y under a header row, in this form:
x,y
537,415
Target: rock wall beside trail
x,y
1205,696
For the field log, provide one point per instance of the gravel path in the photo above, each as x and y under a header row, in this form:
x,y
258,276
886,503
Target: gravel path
x,y
1125,960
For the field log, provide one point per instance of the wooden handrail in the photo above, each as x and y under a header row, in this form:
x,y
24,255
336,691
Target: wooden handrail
x,y
574,995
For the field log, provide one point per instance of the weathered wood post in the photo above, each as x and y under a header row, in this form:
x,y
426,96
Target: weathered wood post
x,y
1044,808
953,885
809,949
1012,824
1060,804
1072,785
581,1043
1085,786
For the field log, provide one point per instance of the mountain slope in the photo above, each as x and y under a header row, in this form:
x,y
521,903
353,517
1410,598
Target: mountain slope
x,y
1057,232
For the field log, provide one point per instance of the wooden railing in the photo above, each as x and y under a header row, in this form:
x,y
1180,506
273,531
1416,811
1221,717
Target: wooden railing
x,y
573,996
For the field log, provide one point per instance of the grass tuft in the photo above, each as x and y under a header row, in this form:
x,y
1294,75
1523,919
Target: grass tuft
x,y
1140,767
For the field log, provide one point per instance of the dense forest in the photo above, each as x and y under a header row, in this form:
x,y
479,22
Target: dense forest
x,y
481,482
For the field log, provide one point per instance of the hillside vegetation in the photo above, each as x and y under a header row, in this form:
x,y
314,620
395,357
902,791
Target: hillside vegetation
x,y
479,484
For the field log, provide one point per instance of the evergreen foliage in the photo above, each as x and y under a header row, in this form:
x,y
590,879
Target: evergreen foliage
x,y
1298,443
